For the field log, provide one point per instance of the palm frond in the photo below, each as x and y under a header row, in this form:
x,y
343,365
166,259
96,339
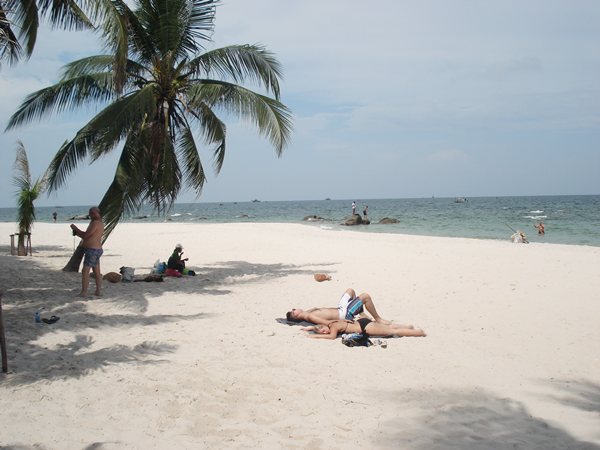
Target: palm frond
x,y
65,95
64,13
272,118
27,192
26,15
193,172
213,130
239,63
198,26
10,48
22,177
101,134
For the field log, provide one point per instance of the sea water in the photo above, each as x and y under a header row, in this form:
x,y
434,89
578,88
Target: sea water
x,y
568,219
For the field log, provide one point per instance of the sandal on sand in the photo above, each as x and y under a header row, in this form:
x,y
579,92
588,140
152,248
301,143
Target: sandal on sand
x,y
51,320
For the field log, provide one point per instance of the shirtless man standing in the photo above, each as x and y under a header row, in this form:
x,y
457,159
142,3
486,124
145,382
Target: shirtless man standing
x,y
349,307
92,248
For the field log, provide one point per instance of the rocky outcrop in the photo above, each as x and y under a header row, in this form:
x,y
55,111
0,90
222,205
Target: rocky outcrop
x,y
387,220
356,219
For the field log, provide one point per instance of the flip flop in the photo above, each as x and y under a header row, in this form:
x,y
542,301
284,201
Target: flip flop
x,y
51,320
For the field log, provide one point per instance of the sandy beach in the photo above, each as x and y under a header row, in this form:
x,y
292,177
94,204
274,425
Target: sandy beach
x,y
511,358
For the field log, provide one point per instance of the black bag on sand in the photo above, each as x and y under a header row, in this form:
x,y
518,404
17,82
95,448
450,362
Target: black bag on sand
x,y
356,340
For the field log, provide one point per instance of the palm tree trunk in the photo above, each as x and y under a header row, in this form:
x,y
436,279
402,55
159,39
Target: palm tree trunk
x,y
3,341
21,250
75,261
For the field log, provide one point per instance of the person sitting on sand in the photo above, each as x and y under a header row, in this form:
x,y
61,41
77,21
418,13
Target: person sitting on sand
x,y
176,264
519,238
364,326
349,307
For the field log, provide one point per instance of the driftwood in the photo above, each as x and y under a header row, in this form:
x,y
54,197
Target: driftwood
x,y
3,341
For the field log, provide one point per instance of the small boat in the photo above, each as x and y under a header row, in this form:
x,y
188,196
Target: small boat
x,y
255,201
460,200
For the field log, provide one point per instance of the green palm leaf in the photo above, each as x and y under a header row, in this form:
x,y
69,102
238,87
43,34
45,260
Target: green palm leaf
x,y
156,89
27,191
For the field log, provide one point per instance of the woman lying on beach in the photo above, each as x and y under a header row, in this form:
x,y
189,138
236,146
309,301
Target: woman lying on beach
x,y
364,326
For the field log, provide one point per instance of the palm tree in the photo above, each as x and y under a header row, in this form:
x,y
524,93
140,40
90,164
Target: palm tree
x,y
160,84
27,193
25,16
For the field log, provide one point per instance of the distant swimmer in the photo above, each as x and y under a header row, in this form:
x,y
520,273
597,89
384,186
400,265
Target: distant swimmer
x,y
353,208
540,227
366,210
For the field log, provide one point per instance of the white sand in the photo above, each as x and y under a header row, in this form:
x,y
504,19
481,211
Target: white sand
x,y
511,359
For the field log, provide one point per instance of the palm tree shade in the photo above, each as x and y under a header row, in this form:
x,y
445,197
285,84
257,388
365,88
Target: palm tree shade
x,y
162,91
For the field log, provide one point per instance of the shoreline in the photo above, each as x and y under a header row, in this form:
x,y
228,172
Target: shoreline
x,y
570,220
201,362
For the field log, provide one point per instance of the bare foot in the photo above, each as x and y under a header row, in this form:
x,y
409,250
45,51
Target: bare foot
x,y
98,294
82,294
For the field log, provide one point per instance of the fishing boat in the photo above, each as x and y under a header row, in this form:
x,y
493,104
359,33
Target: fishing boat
x,y
460,200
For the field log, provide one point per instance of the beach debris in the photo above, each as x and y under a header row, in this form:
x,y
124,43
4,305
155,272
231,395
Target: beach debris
x,y
322,277
51,320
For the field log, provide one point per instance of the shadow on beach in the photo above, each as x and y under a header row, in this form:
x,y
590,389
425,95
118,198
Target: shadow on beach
x,y
471,420
28,286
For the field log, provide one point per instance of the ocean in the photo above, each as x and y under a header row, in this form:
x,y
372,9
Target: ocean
x,y
573,220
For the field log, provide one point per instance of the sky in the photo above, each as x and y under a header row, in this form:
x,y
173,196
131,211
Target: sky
x,y
391,99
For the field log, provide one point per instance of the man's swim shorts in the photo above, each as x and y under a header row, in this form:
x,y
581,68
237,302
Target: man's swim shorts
x,y
92,256
349,308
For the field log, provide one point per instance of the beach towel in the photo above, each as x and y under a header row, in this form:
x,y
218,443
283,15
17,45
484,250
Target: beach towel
x,y
284,321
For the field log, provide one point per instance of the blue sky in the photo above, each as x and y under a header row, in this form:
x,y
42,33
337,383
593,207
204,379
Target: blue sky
x,y
391,99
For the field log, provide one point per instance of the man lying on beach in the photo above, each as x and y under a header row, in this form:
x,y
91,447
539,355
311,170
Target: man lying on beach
x,y
349,307
363,326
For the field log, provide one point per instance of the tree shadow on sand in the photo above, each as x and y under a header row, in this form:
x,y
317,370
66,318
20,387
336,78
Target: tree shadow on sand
x,y
476,420
579,394
28,285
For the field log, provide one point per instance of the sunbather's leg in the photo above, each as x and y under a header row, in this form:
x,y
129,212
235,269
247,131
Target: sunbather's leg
x,y
370,307
379,329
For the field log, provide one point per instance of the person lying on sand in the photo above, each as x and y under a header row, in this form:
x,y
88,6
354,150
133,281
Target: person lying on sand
x,y
349,307
364,326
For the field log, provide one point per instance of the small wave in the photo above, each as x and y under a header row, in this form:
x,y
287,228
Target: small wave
x,y
537,211
175,215
536,217
325,227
